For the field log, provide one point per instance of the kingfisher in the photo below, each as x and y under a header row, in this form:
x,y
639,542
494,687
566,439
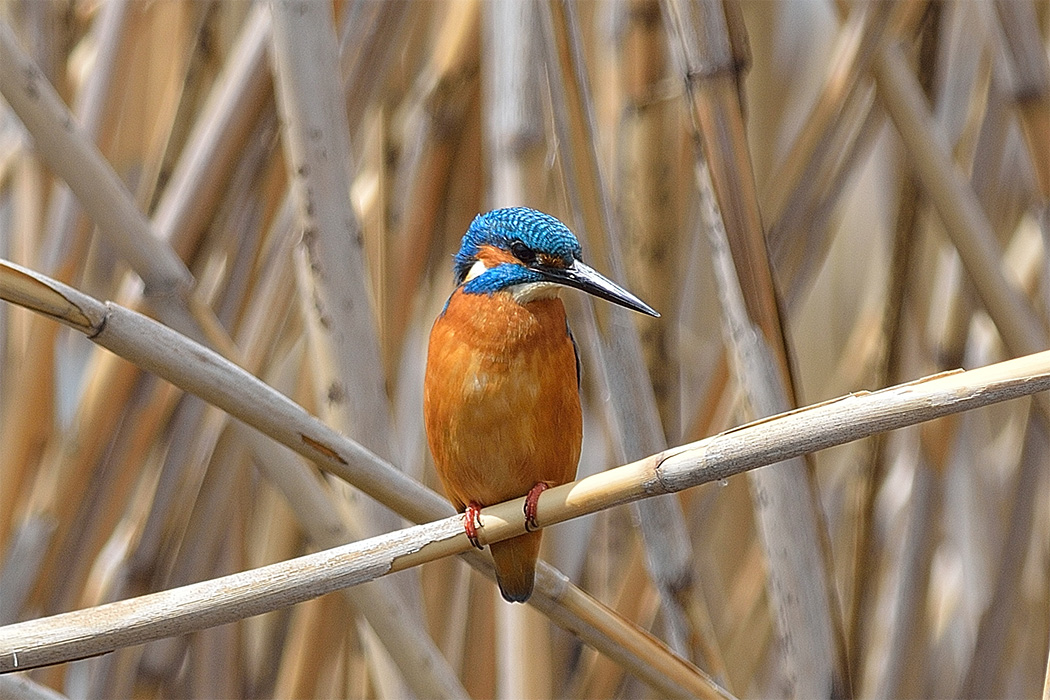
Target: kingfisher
x,y
501,400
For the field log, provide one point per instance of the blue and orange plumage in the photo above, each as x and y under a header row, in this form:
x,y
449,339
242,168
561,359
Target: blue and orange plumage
x,y
501,398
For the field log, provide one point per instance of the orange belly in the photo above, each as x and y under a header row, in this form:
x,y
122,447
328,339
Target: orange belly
x,y
500,398
502,410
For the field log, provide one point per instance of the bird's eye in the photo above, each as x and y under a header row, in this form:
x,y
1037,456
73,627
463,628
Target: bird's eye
x,y
522,252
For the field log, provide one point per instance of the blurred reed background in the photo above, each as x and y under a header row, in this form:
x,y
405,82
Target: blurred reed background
x,y
893,158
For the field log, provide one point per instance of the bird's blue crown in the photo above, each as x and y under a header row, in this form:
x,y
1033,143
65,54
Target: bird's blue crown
x,y
540,233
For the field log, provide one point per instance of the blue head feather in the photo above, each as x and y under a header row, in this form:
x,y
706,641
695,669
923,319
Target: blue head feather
x,y
539,232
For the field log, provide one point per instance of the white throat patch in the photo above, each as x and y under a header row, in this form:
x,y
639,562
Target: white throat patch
x,y
476,270
531,291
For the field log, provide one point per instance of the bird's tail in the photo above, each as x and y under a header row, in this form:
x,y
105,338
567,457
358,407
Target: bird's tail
x,y
516,565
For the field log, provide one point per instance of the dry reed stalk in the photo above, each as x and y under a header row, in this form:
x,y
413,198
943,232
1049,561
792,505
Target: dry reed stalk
x,y
633,404
888,369
988,652
646,125
807,172
22,688
93,110
392,619
598,676
785,498
391,613
67,466
25,436
26,432
85,464
335,303
317,139
221,131
901,279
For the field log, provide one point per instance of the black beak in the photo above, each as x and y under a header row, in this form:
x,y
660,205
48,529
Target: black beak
x,y
593,282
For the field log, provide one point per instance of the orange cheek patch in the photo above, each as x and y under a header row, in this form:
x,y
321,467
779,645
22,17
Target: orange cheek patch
x,y
492,256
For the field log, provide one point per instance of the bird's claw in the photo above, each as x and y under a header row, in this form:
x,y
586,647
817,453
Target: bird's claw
x,y
532,504
471,523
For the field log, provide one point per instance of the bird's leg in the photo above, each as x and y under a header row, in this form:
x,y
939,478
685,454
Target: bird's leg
x,y
471,523
532,503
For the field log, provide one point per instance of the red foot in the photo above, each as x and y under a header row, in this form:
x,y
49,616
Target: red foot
x,y
471,523
532,504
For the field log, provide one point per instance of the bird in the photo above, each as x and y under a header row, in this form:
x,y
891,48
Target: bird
x,y
501,401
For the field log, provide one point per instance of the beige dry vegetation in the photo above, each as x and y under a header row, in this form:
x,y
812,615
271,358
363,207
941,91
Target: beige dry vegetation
x,y
821,198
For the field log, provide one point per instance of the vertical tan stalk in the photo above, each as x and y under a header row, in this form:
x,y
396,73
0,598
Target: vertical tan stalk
x,y
316,138
669,555
787,508
648,166
344,329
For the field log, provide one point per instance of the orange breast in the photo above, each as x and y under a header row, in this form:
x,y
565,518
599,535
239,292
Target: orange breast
x,y
500,401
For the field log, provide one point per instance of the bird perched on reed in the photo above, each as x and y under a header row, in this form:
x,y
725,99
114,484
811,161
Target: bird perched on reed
x,y
501,399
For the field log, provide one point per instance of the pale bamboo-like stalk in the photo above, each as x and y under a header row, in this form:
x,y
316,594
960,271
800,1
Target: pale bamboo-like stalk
x,y
206,374
316,138
192,441
785,508
80,469
835,139
201,542
69,461
159,71
370,37
651,209
786,502
1046,680
372,33
168,283
636,414
318,634
389,610
891,342
1003,197
899,676
24,435
349,376
96,421
316,507
65,240
84,436
47,640
417,656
